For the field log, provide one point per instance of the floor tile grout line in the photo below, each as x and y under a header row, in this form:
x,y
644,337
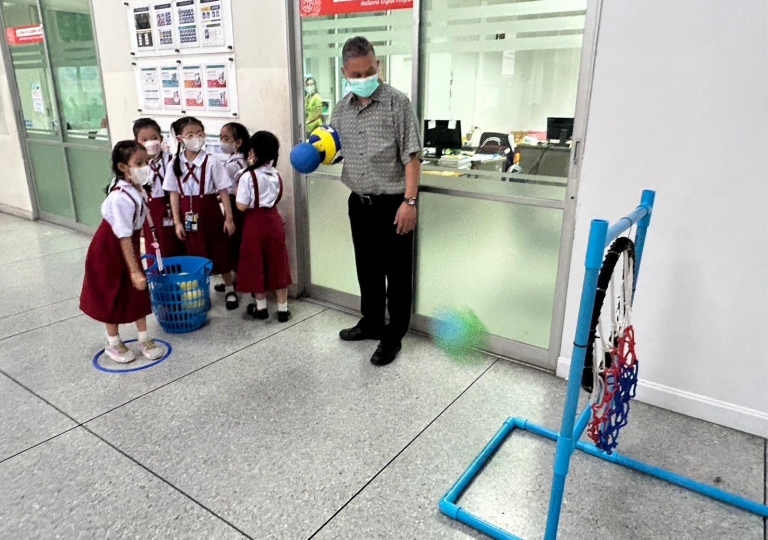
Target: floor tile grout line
x,y
297,323
71,428
39,307
165,481
41,327
401,451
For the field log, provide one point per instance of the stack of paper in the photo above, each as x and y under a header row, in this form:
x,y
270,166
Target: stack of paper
x,y
455,162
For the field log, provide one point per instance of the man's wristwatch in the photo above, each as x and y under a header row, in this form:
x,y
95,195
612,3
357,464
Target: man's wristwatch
x,y
410,200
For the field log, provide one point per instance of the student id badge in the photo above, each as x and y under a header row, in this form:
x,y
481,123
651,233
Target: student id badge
x,y
167,221
190,222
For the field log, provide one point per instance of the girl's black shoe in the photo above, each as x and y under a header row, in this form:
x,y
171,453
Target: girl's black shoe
x,y
283,316
232,301
261,314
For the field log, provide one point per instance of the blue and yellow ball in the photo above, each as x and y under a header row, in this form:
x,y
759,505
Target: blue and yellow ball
x,y
324,146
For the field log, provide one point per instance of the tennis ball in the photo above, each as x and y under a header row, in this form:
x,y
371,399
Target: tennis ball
x,y
459,333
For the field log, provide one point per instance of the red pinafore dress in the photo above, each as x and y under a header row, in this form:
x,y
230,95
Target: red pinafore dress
x,y
210,240
160,210
264,264
108,294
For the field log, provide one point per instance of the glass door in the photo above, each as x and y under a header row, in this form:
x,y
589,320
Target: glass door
x,y
58,79
331,256
42,128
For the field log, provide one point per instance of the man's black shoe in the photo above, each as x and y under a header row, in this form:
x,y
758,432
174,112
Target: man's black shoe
x,y
385,354
357,334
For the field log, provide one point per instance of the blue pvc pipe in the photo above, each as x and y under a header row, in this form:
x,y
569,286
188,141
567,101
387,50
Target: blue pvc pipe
x,y
678,480
646,201
461,484
595,246
581,423
623,224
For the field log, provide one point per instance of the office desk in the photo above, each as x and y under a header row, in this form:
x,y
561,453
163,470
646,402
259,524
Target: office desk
x,y
494,164
553,161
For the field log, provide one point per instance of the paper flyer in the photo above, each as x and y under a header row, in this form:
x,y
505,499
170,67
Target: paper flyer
x,y
217,90
169,77
143,26
150,88
188,32
164,22
211,23
192,75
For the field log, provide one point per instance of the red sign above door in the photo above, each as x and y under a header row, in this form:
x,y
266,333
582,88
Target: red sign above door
x,y
316,8
24,35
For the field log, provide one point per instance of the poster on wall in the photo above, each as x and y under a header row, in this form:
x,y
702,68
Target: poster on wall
x,y
150,88
142,23
192,75
169,77
164,22
188,34
211,23
317,8
217,87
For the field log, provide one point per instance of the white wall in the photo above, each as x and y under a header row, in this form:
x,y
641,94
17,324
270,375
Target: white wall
x,y
680,105
263,81
14,190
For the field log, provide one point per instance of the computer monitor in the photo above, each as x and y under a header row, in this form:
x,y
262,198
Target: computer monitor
x,y
439,134
560,129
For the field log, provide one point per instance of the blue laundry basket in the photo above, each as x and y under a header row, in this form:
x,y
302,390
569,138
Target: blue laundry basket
x,y
181,293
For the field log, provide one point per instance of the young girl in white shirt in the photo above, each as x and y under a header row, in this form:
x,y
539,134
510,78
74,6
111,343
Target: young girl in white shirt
x,y
234,143
115,287
264,265
194,180
147,133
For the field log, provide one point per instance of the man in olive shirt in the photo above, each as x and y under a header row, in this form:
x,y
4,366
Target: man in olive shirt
x,y
381,147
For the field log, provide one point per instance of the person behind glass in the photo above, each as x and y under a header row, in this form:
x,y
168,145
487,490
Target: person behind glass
x,y
313,106
115,288
147,133
194,180
234,143
264,265
381,146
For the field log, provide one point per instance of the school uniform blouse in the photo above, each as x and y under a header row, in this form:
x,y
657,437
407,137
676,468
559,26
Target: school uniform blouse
x,y
234,164
268,183
215,180
159,168
124,209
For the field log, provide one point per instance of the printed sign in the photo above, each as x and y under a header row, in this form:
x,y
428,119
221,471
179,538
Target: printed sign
x,y
169,77
185,11
316,8
193,87
150,88
143,24
211,23
217,89
165,28
24,35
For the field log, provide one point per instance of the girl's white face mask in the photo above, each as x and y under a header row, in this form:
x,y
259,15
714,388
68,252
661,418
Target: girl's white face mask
x,y
153,147
141,176
194,144
229,148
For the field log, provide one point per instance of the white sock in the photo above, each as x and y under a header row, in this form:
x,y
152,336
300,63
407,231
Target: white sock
x,y
261,304
282,307
143,337
230,289
113,341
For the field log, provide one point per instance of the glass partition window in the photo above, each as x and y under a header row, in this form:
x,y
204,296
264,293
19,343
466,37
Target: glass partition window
x,y
501,69
71,46
323,38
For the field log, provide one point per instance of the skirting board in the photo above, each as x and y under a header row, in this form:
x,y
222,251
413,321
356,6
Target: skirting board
x,y
18,212
694,405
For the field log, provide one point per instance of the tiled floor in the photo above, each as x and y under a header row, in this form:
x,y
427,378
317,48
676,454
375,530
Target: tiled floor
x,y
260,430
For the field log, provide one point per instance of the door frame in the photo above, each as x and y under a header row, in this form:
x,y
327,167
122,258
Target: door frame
x,y
543,358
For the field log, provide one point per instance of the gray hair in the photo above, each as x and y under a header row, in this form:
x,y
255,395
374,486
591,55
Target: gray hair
x,y
356,47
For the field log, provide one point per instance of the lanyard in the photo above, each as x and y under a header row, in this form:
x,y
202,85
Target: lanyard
x,y
191,174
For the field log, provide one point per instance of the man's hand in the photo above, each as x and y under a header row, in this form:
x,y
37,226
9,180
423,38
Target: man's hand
x,y
405,220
